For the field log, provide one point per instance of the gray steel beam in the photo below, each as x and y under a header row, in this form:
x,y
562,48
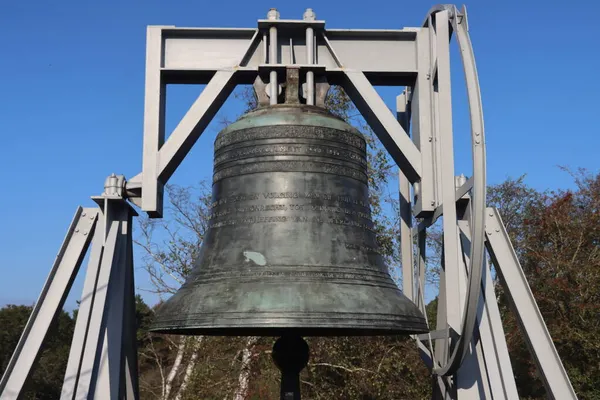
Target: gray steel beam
x,y
439,211
488,362
205,49
160,158
426,199
94,339
50,302
443,127
406,240
73,370
421,269
95,379
111,367
492,351
131,384
154,123
361,50
223,58
385,125
185,50
443,388
443,18
160,162
191,126
548,362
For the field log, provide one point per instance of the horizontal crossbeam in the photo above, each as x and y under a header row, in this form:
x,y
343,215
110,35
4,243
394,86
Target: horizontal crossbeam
x,y
193,55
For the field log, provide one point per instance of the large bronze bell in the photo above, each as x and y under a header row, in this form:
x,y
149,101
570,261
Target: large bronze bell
x,y
290,249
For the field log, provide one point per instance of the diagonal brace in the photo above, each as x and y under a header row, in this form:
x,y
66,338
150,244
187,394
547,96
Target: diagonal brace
x,y
194,122
50,302
160,162
394,138
530,319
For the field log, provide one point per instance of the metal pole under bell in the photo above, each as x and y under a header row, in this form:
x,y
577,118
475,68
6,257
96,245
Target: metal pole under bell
x,y
290,354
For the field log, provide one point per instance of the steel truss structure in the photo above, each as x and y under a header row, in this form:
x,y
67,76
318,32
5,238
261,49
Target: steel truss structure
x,y
467,352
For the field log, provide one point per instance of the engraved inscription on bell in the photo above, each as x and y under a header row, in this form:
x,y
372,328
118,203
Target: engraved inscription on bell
x,y
291,244
291,207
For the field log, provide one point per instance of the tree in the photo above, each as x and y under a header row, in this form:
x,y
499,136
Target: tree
x,y
514,201
559,249
168,261
48,373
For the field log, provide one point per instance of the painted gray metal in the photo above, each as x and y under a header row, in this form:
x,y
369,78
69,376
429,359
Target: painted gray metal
x,y
423,135
83,315
177,55
384,124
100,366
406,251
485,373
443,128
471,379
184,59
111,362
449,14
291,248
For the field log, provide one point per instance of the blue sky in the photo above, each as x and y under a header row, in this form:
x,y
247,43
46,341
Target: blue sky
x,y
72,90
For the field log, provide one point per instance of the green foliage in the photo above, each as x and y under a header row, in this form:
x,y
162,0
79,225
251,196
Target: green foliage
x,y
143,319
48,373
348,368
515,201
557,238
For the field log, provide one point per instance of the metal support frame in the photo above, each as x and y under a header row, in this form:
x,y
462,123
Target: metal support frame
x,y
103,358
50,302
470,359
176,56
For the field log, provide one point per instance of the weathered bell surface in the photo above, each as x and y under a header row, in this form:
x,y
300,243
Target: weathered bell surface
x,y
290,247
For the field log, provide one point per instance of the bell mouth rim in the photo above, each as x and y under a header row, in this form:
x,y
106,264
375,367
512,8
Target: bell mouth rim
x,y
306,326
296,331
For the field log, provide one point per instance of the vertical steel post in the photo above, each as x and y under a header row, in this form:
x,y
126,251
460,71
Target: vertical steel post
x,y
131,384
273,51
449,304
310,41
471,379
494,369
154,126
427,190
111,366
80,333
99,357
406,240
